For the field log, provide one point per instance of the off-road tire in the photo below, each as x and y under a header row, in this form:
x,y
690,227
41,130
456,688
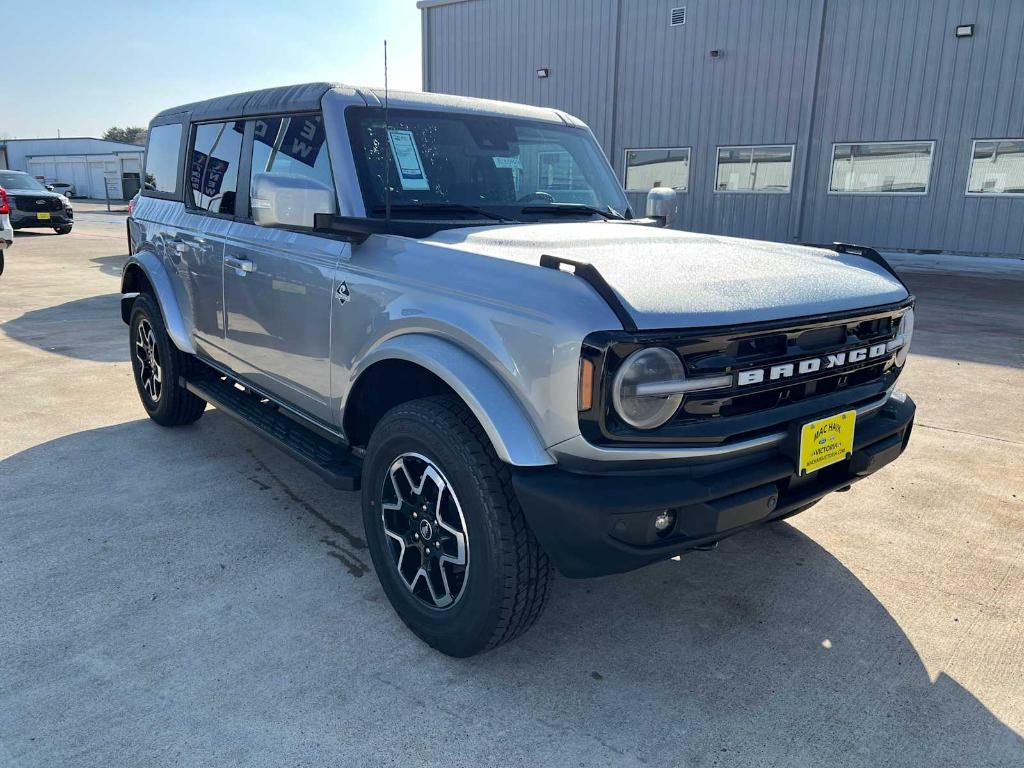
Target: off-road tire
x,y
175,405
509,575
63,230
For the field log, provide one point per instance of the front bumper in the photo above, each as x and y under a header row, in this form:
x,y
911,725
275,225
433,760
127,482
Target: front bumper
x,y
30,220
598,524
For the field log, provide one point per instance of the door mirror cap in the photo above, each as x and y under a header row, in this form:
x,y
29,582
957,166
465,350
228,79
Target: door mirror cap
x,y
661,204
289,200
49,187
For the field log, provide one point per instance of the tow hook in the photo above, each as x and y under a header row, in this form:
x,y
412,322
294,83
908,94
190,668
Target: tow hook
x,y
706,547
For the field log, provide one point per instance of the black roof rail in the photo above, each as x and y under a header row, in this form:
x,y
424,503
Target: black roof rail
x,y
590,274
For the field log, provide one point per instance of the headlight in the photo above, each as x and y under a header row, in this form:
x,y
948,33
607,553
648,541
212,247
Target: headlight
x,y
647,366
906,332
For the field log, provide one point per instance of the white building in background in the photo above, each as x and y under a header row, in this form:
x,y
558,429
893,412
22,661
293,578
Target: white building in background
x,y
89,164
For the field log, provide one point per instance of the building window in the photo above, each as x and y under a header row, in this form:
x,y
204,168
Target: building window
x,y
213,175
997,168
647,168
754,169
162,158
881,168
557,172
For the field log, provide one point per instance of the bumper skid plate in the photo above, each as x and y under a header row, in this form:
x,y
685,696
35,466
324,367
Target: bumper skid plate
x,y
593,525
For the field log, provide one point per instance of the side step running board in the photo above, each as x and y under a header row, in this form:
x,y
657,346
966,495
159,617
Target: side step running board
x,y
332,461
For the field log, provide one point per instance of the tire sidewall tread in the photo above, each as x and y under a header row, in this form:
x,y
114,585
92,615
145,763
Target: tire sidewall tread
x,y
509,574
177,406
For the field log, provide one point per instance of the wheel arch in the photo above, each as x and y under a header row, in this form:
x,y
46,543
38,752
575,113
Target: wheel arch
x,y
417,365
144,273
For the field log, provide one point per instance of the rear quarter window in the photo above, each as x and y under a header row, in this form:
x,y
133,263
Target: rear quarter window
x,y
163,164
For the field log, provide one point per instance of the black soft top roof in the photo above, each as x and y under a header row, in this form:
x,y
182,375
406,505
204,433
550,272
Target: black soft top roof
x,y
287,98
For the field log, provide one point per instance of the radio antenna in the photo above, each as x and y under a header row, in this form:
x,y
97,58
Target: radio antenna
x,y
387,148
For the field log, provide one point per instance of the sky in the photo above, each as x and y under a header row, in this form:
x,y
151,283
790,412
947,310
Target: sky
x,y
91,65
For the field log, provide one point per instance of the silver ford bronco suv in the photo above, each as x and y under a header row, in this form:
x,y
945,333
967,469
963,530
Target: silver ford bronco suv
x,y
449,304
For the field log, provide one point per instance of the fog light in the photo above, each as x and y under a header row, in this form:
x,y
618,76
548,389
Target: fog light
x,y
664,521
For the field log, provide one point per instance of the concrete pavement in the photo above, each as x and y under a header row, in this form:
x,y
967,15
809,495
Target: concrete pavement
x,y
192,597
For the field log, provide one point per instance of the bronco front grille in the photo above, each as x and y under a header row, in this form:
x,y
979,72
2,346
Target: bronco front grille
x,y
741,411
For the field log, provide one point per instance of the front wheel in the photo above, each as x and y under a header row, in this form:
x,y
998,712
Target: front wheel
x,y
157,365
447,536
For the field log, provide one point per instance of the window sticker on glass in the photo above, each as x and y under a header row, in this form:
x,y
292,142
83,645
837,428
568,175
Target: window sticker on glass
x,y
407,157
515,162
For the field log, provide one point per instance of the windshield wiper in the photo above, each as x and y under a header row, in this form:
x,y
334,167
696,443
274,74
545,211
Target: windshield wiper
x,y
442,208
570,208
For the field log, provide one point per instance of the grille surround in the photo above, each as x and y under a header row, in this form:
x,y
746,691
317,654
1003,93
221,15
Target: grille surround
x,y
740,412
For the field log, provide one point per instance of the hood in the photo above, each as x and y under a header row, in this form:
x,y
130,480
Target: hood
x,y
31,192
671,279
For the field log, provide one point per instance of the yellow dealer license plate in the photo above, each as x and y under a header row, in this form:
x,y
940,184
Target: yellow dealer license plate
x,y
826,441
42,216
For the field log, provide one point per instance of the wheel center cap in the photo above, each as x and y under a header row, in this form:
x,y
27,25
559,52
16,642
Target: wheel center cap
x,y
426,530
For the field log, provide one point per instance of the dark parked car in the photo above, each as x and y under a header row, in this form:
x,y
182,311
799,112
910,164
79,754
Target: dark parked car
x,y
33,205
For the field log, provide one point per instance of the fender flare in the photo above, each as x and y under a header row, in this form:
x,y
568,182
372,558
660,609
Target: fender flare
x,y
154,270
503,419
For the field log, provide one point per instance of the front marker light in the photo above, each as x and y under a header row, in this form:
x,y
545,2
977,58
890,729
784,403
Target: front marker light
x,y
647,366
586,387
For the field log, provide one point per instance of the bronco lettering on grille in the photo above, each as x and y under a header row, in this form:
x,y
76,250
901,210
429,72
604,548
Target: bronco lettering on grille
x,y
811,365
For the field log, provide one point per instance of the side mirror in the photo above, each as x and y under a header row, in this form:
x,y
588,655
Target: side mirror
x,y
289,200
661,204
49,187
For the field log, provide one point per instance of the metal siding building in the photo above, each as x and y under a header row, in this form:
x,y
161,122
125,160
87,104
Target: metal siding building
x,y
94,166
805,73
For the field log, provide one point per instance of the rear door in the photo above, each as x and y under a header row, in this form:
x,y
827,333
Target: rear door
x,y
211,185
279,282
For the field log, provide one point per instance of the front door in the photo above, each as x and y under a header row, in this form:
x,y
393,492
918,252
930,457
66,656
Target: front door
x,y
278,289
279,283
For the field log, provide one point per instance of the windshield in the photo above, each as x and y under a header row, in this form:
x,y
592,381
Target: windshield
x,y
9,180
457,166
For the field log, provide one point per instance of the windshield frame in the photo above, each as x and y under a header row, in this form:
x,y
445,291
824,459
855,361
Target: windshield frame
x,y
606,184
40,188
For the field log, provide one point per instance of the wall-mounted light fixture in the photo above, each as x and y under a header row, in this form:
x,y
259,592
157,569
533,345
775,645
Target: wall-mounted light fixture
x,y
543,72
716,54
964,30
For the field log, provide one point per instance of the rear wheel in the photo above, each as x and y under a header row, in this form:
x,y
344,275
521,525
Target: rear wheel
x,y
158,365
448,538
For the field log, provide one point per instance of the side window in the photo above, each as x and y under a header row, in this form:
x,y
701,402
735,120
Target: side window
x,y
162,155
213,172
293,145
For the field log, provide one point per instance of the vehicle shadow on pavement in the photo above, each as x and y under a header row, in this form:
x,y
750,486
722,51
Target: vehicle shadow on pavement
x,y
85,329
110,265
765,651
190,571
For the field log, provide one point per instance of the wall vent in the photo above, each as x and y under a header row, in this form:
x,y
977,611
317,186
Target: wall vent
x,y
677,17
